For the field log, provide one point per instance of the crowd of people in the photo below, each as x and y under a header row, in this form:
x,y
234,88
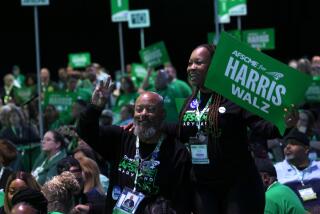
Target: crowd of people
x,y
124,145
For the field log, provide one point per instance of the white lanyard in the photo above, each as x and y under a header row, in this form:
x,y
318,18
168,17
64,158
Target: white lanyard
x,y
200,113
1,171
272,185
139,160
299,173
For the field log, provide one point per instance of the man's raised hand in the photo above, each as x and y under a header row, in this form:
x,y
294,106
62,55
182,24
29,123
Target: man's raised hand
x,y
102,93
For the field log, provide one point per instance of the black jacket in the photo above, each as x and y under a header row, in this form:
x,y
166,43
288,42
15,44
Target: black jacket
x,y
171,179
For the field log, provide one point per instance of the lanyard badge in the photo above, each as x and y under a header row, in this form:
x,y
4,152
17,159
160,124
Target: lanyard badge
x,y
307,193
130,199
199,143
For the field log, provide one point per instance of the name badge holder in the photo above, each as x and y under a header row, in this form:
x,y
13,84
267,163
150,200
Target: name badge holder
x,y
199,143
306,192
130,199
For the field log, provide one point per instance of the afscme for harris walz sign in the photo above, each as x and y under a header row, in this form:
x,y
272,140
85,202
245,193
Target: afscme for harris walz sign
x,y
255,81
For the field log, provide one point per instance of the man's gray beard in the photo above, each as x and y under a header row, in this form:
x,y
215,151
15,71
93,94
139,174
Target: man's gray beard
x,y
144,133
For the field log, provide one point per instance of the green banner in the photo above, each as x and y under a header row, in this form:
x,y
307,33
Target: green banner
x,y
138,71
63,101
154,55
237,7
119,10
223,11
235,33
79,60
261,39
313,93
255,81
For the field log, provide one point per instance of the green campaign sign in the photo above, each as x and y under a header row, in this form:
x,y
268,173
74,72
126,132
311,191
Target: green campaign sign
x,y
63,101
313,92
223,11
235,33
79,60
255,81
262,39
154,55
119,10
237,7
24,94
138,71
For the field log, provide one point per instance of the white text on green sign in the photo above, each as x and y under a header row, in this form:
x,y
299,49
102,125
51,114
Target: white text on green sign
x,y
262,39
119,10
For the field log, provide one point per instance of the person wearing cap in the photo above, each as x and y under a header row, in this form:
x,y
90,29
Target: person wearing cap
x,y
297,171
279,198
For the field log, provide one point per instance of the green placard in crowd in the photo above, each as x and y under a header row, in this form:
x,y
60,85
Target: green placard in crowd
x,y
223,11
79,60
235,33
154,55
237,7
313,92
24,94
255,81
138,70
119,10
63,101
261,39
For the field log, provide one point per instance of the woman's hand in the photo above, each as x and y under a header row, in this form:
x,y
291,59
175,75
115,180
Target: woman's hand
x,y
291,118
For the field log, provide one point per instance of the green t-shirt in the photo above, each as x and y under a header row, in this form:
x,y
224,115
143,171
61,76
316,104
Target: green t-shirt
x,y
122,100
280,199
1,198
169,95
184,90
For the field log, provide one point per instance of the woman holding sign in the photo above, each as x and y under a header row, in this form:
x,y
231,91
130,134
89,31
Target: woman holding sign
x,y
215,130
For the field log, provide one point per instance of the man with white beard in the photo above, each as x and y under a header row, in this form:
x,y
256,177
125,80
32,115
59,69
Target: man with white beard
x,y
150,166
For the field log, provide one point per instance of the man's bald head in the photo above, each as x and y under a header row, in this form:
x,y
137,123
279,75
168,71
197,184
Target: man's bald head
x,y
149,115
151,97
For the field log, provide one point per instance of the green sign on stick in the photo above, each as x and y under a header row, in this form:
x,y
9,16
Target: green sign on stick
x,y
223,11
119,10
255,81
237,7
154,55
235,33
261,39
313,92
79,60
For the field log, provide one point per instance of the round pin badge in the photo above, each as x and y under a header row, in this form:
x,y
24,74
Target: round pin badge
x,y
116,192
194,104
222,109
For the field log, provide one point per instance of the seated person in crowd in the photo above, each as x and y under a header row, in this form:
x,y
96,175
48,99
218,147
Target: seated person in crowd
x,y
18,131
17,181
279,198
92,187
298,172
53,150
34,198
8,153
60,191
82,201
